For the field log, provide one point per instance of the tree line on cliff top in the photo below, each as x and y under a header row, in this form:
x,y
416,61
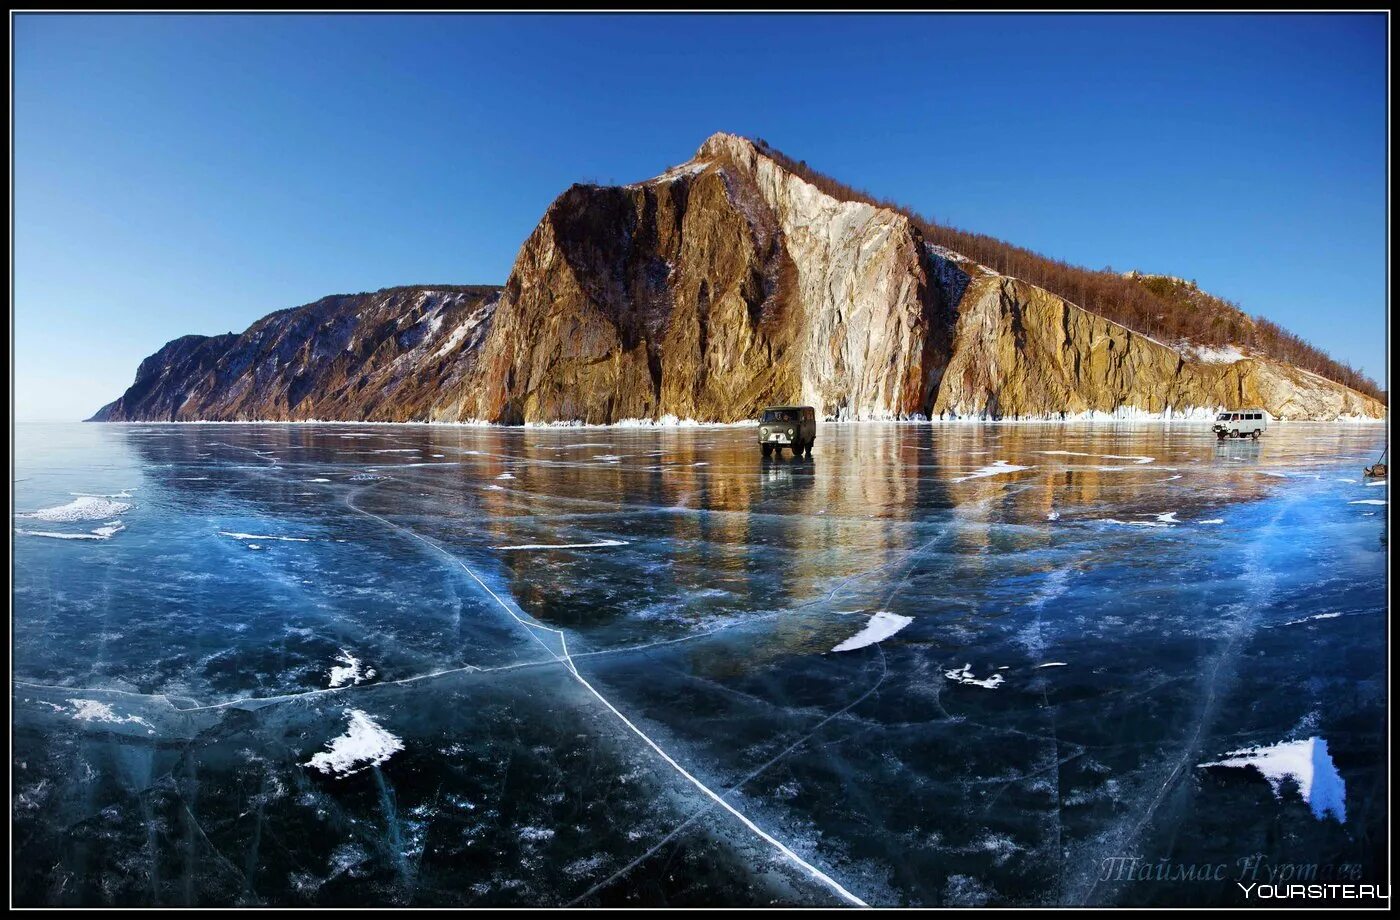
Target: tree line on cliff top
x,y
1163,308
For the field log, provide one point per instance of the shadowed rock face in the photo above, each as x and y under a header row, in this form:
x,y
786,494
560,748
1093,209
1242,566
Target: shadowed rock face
x,y
720,286
371,357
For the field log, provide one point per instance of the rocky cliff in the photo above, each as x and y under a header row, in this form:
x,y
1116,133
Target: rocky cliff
x,y
720,286
365,357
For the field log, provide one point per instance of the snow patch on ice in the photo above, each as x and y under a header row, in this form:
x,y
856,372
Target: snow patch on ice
x,y
963,675
105,532
1368,501
365,744
565,545
997,468
880,627
97,711
350,671
83,508
259,536
1306,763
1076,453
1316,616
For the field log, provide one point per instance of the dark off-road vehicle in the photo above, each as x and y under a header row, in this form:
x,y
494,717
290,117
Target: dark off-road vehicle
x,y
793,427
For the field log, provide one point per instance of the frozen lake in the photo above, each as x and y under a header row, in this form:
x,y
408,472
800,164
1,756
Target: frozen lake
x,y
935,664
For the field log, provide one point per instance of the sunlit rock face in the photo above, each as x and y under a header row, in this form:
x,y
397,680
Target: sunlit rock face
x,y
722,285
718,287
1020,351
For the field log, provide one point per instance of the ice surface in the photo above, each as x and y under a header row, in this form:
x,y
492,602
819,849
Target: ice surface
x,y
610,682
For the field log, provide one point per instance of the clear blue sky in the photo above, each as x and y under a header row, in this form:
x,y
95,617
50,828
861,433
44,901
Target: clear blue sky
x,y
191,174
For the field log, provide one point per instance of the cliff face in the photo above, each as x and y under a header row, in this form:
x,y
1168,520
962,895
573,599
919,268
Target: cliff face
x,y
1021,351
718,287
714,289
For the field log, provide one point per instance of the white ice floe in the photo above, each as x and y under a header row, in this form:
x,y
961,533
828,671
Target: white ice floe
x,y
963,675
1307,763
97,711
82,508
1368,501
995,469
350,671
365,744
880,627
260,536
565,545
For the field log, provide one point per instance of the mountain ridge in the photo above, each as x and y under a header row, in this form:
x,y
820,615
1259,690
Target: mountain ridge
x,y
721,284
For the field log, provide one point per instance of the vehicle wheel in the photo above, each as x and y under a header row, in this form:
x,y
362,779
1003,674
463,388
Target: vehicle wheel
x,y
1235,433
809,450
767,450
1254,434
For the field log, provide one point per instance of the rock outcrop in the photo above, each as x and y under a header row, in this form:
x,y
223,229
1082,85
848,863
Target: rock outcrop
x,y
719,286
357,357
1020,351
